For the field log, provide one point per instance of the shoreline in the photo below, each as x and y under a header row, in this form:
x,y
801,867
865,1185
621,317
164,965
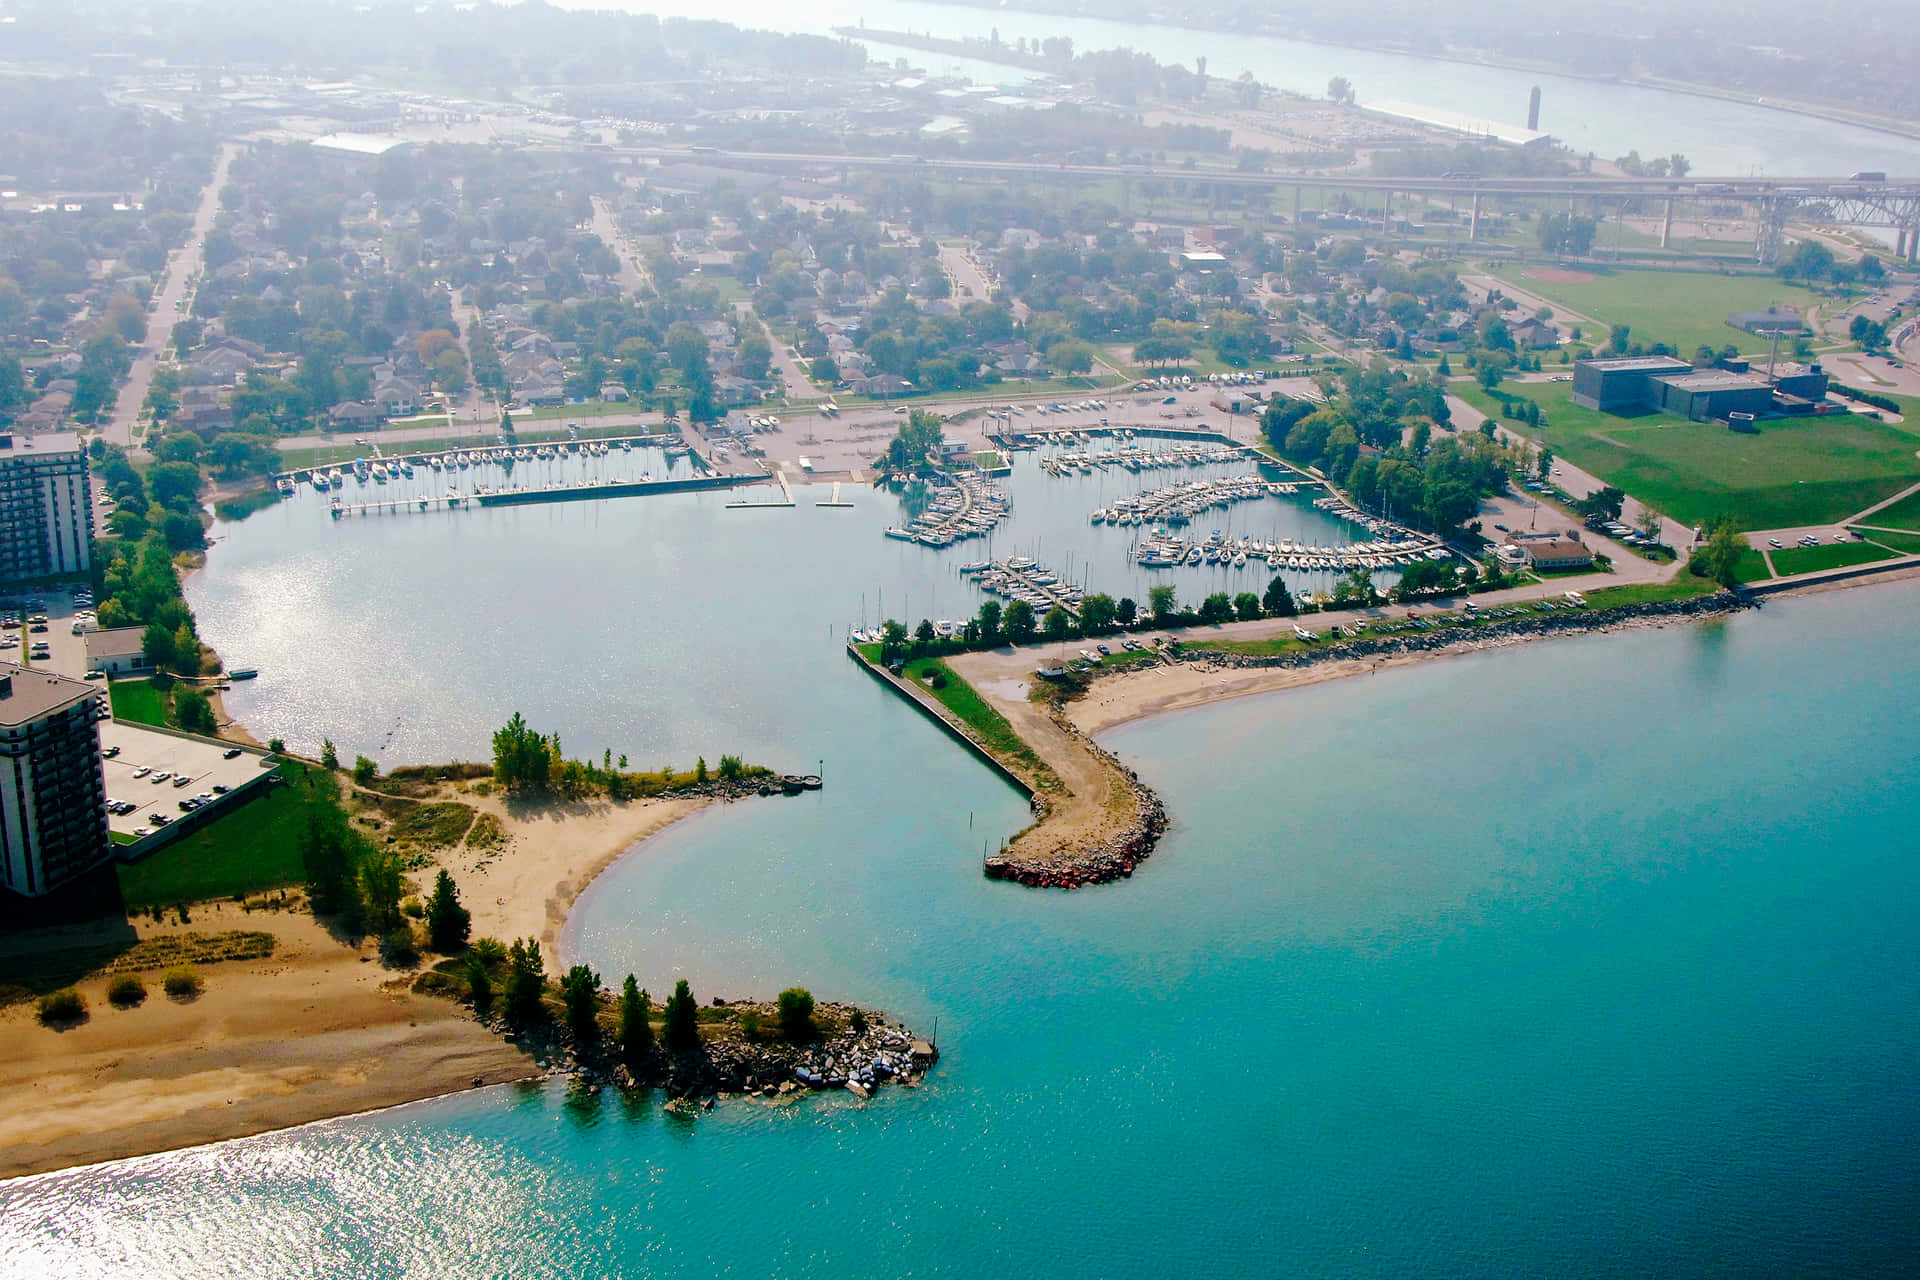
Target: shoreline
x,y
242,1060
1830,113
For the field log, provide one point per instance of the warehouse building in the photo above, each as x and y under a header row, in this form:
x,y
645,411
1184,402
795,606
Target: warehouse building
x,y
1664,385
1620,385
1707,394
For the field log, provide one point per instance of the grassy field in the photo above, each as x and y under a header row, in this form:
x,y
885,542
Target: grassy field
x,y
1684,586
1904,514
138,701
255,847
1794,471
1680,308
1907,544
1751,567
1828,555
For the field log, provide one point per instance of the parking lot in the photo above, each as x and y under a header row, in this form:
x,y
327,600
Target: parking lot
x,y
146,768
65,653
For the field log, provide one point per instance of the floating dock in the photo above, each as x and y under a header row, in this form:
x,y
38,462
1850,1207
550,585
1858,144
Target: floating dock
x,y
834,501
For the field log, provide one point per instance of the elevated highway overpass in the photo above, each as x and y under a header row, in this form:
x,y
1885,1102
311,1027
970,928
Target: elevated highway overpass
x,y
1892,203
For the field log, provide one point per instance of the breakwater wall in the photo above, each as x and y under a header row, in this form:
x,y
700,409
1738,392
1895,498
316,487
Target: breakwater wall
x,y
1563,622
1102,863
953,730
582,493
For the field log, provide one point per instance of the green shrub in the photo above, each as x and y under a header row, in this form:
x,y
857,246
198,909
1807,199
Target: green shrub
x,y
126,991
63,1006
182,982
796,1014
397,946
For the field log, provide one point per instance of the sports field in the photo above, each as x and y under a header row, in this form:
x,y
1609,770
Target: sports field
x,y
1793,472
1680,308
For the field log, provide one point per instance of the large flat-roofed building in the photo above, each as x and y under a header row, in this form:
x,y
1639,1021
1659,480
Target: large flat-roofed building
x,y
53,798
1666,385
46,507
1712,393
1620,385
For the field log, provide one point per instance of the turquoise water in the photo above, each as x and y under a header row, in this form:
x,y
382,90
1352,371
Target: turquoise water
x,y
1593,957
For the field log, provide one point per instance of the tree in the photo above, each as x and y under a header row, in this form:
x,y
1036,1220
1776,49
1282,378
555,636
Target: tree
x,y
1019,622
156,646
1720,558
989,620
1096,614
194,713
683,1019
580,999
796,1015
1216,608
1340,89
635,1030
381,885
364,770
526,982
1161,600
329,758
326,860
1247,606
479,984
448,923
523,759
1059,623
175,485
1278,602
1126,611
1602,504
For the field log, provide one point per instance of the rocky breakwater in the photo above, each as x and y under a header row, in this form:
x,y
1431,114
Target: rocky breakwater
x,y
1109,856
1488,635
743,1054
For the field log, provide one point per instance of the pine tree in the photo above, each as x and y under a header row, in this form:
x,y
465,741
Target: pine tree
x,y
683,1019
448,923
580,994
636,1027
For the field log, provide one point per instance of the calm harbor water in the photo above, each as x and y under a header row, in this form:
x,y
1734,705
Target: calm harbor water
x,y
659,627
1592,957
1728,139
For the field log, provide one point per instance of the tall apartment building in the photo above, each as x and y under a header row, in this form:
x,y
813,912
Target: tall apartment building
x,y
46,507
53,795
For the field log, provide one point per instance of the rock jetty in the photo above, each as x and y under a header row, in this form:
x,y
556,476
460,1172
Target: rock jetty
x,y
859,1051
1099,862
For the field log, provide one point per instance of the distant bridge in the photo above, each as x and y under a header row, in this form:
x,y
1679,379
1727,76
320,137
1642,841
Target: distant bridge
x,y
1893,204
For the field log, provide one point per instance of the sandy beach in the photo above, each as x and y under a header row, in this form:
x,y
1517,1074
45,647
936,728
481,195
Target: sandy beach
x,y
318,1029
553,852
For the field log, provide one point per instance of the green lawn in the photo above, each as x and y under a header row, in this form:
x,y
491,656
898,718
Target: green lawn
x,y
1792,472
1684,586
255,847
1828,555
1751,567
1681,308
137,701
1904,514
1907,544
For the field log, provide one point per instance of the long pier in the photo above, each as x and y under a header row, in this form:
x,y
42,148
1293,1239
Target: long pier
x,y
523,497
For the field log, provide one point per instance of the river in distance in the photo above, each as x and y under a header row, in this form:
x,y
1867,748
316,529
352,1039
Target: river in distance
x,y
1592,957
1721,138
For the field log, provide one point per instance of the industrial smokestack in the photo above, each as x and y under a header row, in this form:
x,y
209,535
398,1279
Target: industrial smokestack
x,y
1533,109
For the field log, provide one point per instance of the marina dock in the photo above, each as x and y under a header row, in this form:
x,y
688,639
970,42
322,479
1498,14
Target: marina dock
x,y
834,501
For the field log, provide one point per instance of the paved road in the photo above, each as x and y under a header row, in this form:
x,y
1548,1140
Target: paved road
x,y
183,268
1575,481
633,276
